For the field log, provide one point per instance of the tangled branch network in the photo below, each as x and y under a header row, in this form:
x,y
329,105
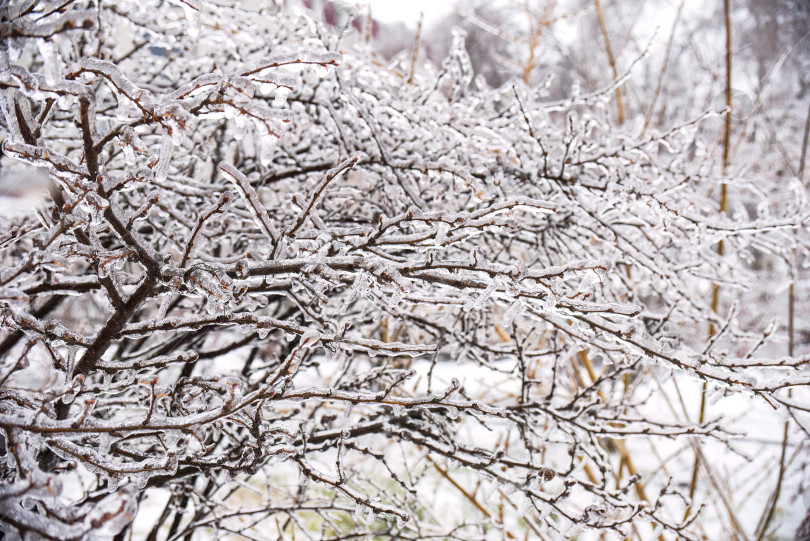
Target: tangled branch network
x,y
273,288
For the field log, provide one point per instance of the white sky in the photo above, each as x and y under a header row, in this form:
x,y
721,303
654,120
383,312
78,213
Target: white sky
x,y
391,11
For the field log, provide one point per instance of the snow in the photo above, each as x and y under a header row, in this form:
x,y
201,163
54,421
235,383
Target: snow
x,y
338,294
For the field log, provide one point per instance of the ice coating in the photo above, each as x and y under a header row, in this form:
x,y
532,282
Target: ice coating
x,y
265,289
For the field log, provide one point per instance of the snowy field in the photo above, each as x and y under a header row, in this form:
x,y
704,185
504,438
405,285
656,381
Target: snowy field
x,y
310,269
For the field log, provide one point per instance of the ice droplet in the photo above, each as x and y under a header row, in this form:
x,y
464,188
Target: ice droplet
x,y
281,94
267,147
364,514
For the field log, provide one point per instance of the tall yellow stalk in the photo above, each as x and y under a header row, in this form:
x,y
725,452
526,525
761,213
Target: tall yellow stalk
x,y
626,459
417,44
723,210
803,159
611,58
767,516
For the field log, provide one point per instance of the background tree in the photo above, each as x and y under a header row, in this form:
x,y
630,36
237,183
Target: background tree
x,y
279,291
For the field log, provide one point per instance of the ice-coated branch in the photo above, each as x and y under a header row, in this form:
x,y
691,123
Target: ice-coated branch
x,y
299,294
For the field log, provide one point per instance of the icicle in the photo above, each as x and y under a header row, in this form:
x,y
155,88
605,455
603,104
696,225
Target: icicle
x,y
478,302
162,168
193,9
281,94
359,287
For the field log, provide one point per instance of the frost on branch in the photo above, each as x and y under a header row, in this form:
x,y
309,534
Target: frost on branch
x,y
290,295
